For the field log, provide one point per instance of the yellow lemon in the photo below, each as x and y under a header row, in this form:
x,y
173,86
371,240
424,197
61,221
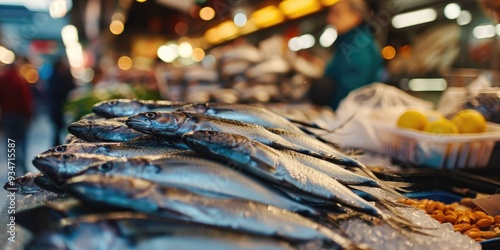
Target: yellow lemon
x,y
469,121
433,115
442,126
412,119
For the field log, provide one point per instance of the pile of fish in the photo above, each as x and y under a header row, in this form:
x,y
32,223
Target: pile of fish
x,y
169,175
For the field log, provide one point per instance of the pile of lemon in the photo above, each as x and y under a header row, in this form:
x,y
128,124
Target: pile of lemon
x,y
465,121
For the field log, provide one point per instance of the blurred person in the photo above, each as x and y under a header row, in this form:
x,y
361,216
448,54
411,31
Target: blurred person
x,y
59,85
16,110
356,61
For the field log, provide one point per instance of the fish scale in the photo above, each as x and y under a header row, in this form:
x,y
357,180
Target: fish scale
x,y
285,170
241,215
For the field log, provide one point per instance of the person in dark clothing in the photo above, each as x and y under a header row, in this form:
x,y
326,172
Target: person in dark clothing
x,y
60,84
16,111
356,61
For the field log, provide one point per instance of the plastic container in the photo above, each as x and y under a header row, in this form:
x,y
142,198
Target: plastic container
x,y
439,151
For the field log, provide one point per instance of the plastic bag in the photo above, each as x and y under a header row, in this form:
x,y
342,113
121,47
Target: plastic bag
x,y
376,101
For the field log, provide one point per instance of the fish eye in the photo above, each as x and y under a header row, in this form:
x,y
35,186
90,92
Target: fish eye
x,y
90,122
60,149
150,115
23,180
113,102
104,167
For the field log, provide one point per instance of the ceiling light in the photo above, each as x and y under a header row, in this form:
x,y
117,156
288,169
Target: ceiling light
x,y
328,37
207,13
464,18
168,53
240,19
116,27
483,31
267,16
413,18
125,63
198,55
388,52
452,11
294,9
69,34
185,49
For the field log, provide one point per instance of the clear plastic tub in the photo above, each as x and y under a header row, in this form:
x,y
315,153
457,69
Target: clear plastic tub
x,y
437,150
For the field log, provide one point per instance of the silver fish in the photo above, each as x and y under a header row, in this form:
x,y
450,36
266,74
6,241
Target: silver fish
x,y
337,172
117,149
60,166
103,131
180,170
128,107
276,167
145,196
24,184
136,231
243,112
177,123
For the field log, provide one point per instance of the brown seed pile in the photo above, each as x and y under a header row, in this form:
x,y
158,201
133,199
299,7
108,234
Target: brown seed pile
x,y
465,217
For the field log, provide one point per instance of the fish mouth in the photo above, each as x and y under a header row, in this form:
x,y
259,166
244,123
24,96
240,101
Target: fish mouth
x,y
48,168
138,124
80,130
102,110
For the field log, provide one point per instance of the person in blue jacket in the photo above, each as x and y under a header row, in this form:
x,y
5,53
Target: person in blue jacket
x,y
356,61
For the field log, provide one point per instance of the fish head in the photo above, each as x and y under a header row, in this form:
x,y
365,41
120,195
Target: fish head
x,y
82,129
24,184
118,107
107,167
112,188
61,166
221,145
156,122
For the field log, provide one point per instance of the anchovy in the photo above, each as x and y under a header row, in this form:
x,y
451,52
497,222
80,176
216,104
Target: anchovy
x,y
337,172
148,197
128,107
175,124
273,166
58,167
118,149
243,112
180,170
103,131
131,231
24,184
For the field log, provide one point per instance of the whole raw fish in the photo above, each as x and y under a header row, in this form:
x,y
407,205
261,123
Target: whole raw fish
x,y
103,131
148,197
128,107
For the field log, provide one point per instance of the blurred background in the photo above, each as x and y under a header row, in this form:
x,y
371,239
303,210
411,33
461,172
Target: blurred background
x,y
68,55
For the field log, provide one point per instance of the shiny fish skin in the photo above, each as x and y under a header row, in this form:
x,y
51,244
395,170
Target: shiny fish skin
x,y
115,149
145,196
320,149
60,166
270,164
243,112
180,170
177,123
201,176
128,107
24,184
103,131
133,231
